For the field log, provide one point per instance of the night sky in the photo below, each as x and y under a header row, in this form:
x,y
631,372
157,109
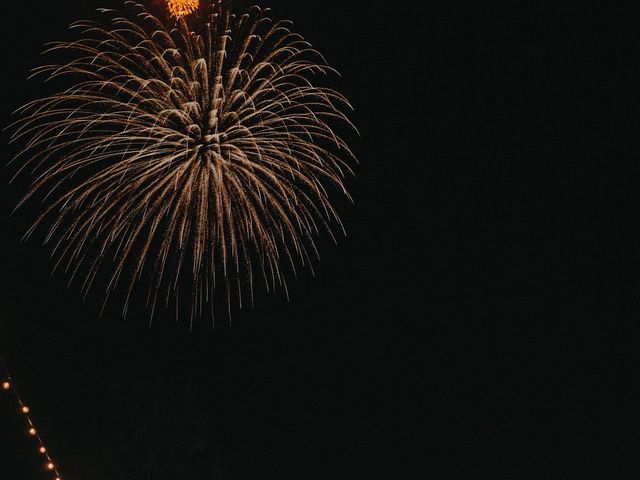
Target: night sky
x,y
480,319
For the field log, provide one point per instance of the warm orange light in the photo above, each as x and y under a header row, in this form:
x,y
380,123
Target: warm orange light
x,y
180,8
43,450
50,466
6,385
25,409
32,431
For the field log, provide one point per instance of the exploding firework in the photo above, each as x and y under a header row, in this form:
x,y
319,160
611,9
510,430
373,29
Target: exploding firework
x,y
188,158
180,8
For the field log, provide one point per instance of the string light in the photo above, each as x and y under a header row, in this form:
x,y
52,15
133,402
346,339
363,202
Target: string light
x,y
7,385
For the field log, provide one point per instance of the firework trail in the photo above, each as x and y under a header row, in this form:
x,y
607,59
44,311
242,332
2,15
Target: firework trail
x,y
202,156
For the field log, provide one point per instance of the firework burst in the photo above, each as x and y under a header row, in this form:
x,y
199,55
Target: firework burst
x,y
182,155
180,8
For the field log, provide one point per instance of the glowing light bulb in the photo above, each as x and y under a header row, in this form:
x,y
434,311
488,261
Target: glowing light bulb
x,y
25,409
50,466
6,385
43,450
32,431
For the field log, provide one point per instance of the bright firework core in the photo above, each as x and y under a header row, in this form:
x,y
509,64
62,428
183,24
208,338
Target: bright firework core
x,y
180,8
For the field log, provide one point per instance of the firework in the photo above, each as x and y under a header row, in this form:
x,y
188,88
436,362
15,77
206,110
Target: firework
x,y
189,158
180,8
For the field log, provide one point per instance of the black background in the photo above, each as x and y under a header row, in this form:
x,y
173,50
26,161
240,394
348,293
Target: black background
x,y
480,320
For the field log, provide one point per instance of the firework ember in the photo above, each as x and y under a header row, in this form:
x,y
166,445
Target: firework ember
x,y
180,8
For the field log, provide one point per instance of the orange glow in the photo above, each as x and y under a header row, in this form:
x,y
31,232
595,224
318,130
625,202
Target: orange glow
x,y
180,8
6,386
50,466
25,409
32,431
43,450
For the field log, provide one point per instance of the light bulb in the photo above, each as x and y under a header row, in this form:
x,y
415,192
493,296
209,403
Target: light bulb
x,y
32,431
6,385
43,450
50,466
25,409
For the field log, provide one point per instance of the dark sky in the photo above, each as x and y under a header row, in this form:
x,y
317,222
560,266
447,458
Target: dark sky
x,y
480,320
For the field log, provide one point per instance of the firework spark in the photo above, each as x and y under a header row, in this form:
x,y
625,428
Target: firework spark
x,y
180,8
205,155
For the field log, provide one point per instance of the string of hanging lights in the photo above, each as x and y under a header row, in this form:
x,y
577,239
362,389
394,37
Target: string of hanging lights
x,y
7,386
